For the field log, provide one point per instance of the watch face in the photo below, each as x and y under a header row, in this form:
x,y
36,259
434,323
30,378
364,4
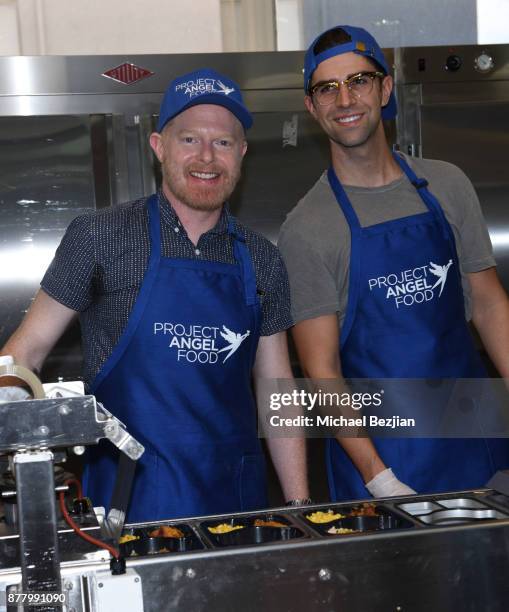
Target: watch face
x,y
484,63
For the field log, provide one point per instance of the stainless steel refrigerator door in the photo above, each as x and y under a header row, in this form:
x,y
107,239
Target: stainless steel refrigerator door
x,y
47,178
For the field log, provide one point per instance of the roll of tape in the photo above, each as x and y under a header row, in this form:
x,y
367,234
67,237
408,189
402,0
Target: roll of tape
x,y
26,375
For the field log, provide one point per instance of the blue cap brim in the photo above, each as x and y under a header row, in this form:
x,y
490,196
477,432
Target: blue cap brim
x,y
234,107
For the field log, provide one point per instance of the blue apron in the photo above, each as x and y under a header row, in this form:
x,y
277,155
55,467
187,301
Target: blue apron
x,y
405,318
180,379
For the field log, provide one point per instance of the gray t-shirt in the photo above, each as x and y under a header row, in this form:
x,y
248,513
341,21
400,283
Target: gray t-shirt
x,y
315,238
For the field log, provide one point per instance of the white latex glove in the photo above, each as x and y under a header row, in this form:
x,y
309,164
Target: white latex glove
x,y
13,394
386,484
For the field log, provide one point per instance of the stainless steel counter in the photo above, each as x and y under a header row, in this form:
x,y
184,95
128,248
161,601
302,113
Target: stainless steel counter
x,y
418,555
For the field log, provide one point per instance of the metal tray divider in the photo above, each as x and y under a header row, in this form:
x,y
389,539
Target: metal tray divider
x,y
391,506
496,505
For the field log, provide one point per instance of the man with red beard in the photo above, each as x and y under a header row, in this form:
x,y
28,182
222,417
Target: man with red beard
x,y
179,305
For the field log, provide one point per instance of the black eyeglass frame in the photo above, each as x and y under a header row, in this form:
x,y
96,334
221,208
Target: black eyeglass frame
x,y
371,74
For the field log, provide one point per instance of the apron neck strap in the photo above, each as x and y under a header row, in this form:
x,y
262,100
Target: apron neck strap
x,y
421,185
343,201
244,259
154,223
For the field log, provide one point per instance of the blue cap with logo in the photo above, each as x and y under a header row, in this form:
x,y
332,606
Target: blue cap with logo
x,y
204,86
361,42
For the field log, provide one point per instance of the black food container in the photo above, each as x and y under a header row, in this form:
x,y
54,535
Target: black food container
x,y
250,534
376,519
145,544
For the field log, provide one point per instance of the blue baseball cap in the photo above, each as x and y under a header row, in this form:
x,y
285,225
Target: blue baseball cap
x,y
203,86
362,43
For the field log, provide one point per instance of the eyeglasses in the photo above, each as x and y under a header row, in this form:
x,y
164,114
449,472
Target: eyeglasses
x,y
359,85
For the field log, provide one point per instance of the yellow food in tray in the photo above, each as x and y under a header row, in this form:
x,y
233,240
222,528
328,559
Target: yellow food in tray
x,y
225,528
341,531
324,517
127,538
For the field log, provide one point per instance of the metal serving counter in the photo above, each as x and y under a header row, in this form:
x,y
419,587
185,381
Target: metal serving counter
x,y
435,552
421,553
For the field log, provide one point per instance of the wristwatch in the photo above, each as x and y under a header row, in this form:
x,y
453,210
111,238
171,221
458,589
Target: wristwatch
x,y
307,501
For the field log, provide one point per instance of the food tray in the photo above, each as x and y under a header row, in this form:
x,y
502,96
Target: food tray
x,y
499,499
461,515
419,508
451,511
148,545
463,502
382,520
250,534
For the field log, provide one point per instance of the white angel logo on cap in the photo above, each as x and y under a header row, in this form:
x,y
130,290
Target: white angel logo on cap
x,y
199,87
203,86
224,89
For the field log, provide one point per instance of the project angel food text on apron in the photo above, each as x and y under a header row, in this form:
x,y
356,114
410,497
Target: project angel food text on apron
x,y
415,286
201,343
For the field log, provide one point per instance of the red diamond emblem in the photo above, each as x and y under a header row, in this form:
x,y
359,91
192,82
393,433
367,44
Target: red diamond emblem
x,y
127,73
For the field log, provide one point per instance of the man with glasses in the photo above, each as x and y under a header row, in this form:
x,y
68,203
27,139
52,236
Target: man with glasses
x,y
388,257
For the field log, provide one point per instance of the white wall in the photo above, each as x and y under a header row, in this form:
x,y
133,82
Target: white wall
x,y
492,21
74,27
9,39
248,25
69,27
290,36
